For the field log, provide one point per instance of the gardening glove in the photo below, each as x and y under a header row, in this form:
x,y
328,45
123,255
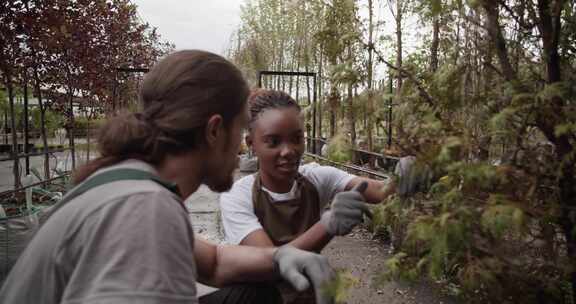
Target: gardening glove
x,y
302,268
346,211
410,177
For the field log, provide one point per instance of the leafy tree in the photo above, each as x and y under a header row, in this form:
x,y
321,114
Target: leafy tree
x,y
75,47
504,233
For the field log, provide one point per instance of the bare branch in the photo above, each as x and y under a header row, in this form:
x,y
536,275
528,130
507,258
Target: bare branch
x,y
403,73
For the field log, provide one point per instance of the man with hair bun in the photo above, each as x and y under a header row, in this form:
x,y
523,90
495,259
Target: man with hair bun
x,y
122,234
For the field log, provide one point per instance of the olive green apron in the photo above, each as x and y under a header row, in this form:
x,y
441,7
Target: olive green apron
x,y
285,220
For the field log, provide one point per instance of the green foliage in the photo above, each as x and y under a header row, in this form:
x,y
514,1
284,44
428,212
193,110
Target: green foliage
x,y
339,28
442,86
345,73
481,227
565,129
339,149
394,265
52,121
83,125
502,218
501,120
561,90
3,101
340,287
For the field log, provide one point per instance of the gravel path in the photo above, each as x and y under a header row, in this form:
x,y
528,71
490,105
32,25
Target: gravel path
x,y
364,258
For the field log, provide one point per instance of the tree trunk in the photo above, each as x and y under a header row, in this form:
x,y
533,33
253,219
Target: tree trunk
x,y
435,44
298,61
297,64
319,99
491,8
333,101
280,79
351,121
88,144
550,28
71,127
398,47
90,117
370,106
42,124
457,44
350,115
26,122
16,166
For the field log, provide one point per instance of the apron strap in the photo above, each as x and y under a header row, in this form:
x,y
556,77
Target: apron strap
x,y
109,177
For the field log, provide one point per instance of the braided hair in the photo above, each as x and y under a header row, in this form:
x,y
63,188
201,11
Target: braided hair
x,y
261,100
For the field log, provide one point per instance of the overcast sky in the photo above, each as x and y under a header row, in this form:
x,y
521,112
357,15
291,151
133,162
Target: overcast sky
x,y
209,24
193,24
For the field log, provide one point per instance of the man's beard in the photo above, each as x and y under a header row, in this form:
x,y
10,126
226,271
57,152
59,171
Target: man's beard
x,y
220,183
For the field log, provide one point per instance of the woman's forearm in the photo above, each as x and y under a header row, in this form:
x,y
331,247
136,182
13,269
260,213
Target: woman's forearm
x,y
314,239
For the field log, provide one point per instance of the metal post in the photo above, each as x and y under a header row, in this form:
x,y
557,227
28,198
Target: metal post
x,y
314,105
26,133
259,79
114,88
5,126
16,167
71,133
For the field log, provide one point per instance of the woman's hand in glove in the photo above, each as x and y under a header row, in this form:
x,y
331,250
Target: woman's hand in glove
x,y
346,211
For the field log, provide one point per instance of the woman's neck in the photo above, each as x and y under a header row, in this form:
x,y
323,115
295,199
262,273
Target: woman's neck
x,y
276,185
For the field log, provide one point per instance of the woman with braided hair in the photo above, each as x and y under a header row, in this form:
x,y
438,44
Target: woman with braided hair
x,y
122,234
284,202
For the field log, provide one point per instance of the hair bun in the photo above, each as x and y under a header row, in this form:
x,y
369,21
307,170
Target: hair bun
x,y
126,134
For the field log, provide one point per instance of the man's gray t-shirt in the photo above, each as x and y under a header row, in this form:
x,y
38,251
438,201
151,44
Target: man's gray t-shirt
x,y
123,242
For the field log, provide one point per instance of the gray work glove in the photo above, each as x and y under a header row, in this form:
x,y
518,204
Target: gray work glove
x,y
301,268
411,178
346,211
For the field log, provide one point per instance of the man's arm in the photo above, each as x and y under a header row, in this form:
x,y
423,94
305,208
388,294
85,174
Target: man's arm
x,y
220,265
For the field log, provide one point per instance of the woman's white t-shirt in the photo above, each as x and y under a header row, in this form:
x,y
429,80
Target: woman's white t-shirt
x,y
238,215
